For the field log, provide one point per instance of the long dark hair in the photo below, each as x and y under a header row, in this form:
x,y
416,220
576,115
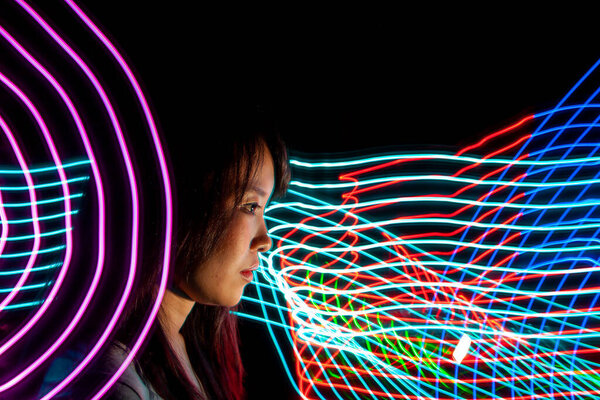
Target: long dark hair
x,y
211,163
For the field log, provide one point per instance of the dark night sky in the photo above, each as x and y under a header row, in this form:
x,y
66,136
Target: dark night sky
x,y
338,82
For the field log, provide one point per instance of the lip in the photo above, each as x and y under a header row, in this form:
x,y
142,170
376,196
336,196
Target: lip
x,y
248,274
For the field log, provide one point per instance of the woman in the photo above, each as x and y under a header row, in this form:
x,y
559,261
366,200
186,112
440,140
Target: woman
x,y
224,183
225,172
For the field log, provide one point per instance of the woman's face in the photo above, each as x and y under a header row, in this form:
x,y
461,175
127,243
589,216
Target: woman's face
x,y
220,280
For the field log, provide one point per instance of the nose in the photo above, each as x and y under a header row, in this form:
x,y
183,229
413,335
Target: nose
x,y
261,242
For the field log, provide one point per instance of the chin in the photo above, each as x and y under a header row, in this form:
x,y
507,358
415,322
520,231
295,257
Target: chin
x,y
230,299
233,302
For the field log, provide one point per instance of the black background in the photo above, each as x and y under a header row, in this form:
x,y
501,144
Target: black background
x,y
346,79
350,79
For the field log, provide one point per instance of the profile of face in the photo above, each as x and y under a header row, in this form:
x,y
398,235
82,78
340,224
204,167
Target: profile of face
x,y
220,280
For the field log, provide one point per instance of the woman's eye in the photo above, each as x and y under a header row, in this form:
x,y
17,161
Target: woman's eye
x,y
250,208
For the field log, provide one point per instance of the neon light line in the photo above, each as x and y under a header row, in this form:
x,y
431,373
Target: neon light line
x,y
40,170
373,288
168,215
34,269
30,253
20,306
436,199
67,207
41,235
43,185
42,218
60,199
321,278
442,178
28,287
463,159
31,191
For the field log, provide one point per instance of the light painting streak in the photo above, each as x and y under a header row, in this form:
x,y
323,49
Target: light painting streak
x,y
68,238
135,221
20,374
413,276
462,348
381,271
168,205
65,265
34,213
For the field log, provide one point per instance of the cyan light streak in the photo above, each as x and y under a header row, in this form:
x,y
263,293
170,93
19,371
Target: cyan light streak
x,y
60,199
567,151
437,199
29,287
34,269
43,218
444,179
382,276
52,237
29,253
23,305
39,170
43,185
31,193
378,275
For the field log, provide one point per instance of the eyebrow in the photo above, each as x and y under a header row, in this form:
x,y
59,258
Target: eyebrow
x,y
258,190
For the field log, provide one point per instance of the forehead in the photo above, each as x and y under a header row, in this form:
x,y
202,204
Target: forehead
x,y
263,176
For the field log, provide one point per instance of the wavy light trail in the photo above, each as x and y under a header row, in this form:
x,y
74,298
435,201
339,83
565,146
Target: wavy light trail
x,y
422,275
384,264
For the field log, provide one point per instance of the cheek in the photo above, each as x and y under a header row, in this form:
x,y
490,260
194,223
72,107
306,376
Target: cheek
x,y
208,282
239,235
218,280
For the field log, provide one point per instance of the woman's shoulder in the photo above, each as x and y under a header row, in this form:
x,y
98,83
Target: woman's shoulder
x,y
131,385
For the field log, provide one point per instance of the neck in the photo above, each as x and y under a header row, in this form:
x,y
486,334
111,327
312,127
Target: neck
x,y
174,311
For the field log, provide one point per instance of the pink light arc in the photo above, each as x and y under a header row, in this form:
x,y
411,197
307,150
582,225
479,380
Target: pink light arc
x,y
3,216
166,187
4,221
69,243
166,183
34,215
5,226
135,209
